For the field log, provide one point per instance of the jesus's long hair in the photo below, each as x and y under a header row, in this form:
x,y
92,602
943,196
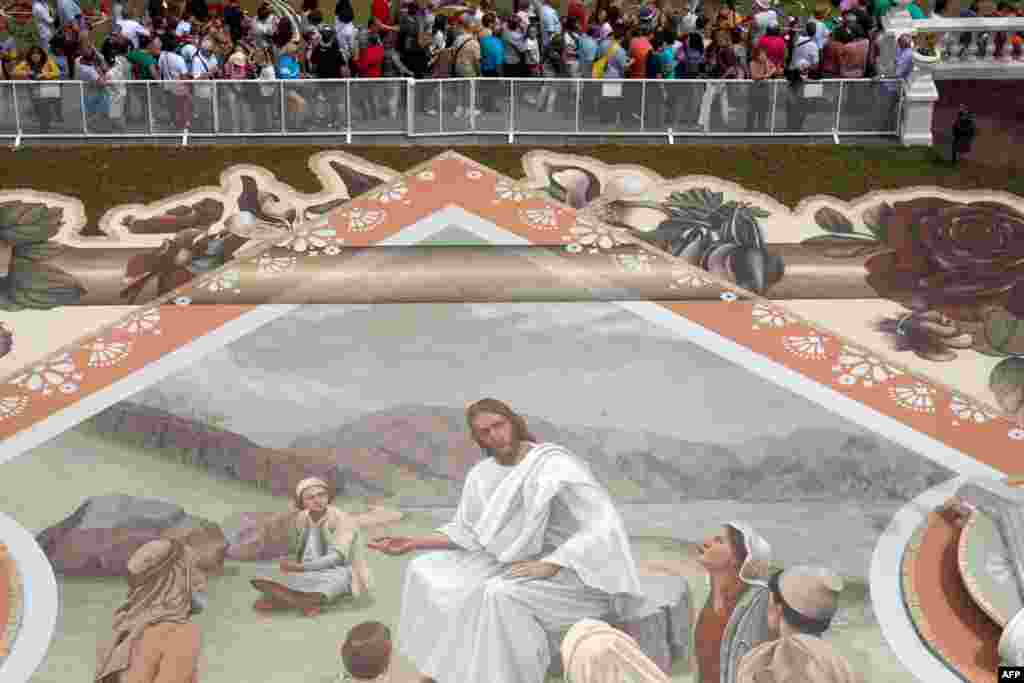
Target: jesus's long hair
x,y
492,405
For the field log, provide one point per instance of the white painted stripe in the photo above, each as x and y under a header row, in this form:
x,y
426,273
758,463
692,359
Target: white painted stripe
x,y
40,606
167,365
887,587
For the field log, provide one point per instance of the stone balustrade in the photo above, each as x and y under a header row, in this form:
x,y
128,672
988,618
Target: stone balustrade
x,y
988,53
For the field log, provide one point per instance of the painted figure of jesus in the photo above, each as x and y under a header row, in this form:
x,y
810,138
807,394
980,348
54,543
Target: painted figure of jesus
x,y
535,546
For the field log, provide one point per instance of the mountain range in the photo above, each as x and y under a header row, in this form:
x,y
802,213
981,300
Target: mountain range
x,y
419,455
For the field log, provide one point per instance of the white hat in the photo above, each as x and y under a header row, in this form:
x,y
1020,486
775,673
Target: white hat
x,y
759,553
813,592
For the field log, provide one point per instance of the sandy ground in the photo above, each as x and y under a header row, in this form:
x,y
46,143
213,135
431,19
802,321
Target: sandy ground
x,y
240,644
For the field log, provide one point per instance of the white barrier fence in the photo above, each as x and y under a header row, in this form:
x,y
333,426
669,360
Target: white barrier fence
x,y
448,107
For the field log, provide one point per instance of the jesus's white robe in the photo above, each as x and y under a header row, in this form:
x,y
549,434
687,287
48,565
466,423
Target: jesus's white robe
x,y
462,621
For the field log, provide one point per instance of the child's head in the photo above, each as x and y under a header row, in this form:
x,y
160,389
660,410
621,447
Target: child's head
x,y
366,652
532,31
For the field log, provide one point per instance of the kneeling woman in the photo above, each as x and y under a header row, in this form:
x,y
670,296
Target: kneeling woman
x,y
324,561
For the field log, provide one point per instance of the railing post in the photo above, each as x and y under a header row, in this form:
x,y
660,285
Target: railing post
x,y
472,104
899,110
215,103
440,106
579,97
410,106
149,107
348,111
280,90
839,110
643,104
511,111
775,102
17,114
85,114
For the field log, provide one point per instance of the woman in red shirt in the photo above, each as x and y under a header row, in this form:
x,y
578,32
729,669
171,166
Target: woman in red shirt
x,y
369,65
381,11
774,45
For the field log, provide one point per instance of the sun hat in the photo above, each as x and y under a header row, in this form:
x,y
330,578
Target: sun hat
x,y
812,592
759,553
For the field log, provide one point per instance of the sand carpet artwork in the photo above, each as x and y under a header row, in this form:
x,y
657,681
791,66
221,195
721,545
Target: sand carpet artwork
x,y
712,353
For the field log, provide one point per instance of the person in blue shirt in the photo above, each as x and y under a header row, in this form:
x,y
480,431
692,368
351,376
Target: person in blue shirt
x,y
492,60
287,70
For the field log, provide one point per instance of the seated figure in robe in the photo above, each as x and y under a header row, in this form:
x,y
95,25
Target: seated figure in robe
x,y
536,545
325,560
154,636
734,618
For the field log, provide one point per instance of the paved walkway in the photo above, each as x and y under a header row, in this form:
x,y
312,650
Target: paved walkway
x,y
999,110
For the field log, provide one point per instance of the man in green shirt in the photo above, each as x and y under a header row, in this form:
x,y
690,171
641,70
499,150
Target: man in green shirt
x,y
915,10
144,61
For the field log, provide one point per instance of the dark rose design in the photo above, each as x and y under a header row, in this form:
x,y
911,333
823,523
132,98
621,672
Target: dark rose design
x,y
949,255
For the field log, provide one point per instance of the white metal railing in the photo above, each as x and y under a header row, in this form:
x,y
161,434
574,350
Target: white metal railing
x,y
448,107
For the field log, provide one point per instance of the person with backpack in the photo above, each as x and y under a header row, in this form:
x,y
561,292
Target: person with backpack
x,y
331,64
689,66
613,68
465,64
552,68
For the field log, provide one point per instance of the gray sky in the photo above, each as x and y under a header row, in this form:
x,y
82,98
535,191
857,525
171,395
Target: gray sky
x,y
584,364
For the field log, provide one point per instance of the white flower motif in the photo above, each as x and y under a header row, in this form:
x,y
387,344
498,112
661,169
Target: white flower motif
x,y
728,297
510,191
474,174
573,248
634,263
917,397
104,353
183,301
766,316
309,236
594,236
425,175
854,365
363,220
275,264
545,218
997,565
59,373
226,281
966,410
332,250
12,405
1016,434
141,323
395,193
810,346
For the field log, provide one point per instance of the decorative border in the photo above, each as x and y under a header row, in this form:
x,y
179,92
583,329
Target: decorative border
x,y
10,596
767,329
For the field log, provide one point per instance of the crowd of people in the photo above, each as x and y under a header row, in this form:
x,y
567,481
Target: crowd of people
x,y
421,40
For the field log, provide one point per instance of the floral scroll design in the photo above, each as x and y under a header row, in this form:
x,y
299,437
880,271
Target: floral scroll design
x,y
958,269
704,228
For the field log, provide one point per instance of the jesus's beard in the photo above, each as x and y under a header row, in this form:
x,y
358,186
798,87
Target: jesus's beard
x,y
505,457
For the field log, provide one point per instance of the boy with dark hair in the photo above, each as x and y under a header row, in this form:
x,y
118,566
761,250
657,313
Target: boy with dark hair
x,y
366,652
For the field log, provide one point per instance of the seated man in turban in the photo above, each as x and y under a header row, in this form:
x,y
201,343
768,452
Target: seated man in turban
x,y
153,631
802,603
324,560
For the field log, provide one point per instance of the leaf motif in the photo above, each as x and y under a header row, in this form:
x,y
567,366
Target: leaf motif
x,y
326,207
200,215
24,222
875,221
832,221
38,251
356,182
1004,332
38,285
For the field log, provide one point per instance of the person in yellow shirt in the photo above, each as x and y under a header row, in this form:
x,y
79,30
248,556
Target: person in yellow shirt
x,y
46,95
